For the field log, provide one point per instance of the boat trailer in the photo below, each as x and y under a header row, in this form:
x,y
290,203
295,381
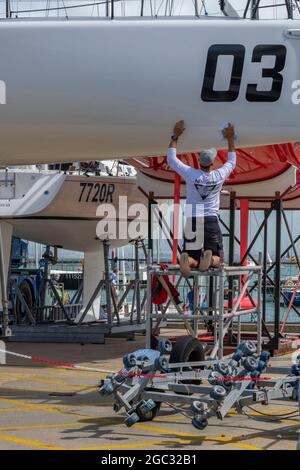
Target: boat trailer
x,y
199,390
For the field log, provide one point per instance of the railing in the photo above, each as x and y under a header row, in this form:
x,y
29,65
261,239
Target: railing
x,y
54,313
223,316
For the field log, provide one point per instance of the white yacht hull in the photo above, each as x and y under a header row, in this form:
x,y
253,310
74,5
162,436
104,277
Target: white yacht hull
x,y
65,211
101,89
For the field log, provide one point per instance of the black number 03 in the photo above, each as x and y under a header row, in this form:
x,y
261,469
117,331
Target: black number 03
x,y
238,52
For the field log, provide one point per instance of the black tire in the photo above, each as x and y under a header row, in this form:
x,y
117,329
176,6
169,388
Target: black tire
x,y
28,297
187,349
154,342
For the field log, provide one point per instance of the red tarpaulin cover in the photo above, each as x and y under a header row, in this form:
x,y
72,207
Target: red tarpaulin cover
x,y
253,164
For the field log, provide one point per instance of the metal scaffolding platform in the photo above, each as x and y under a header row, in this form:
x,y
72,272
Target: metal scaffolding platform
x,y
69,323
275,337
223,319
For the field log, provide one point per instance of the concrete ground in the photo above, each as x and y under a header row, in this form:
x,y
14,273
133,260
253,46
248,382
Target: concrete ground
x,y
45,407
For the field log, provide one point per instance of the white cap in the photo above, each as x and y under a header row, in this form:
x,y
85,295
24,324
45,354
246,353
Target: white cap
x,y
207,156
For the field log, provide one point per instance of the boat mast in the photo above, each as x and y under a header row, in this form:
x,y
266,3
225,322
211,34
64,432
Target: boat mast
x,y
7,9
254,10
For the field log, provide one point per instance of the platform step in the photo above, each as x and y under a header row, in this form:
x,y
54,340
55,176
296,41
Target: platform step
x,y
57,334
50,338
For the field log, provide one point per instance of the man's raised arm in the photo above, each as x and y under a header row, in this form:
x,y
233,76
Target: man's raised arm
x,y
172,159
229,166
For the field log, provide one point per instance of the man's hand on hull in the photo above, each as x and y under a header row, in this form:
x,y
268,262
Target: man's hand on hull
x,y
178,128
177,131
229,135
228,132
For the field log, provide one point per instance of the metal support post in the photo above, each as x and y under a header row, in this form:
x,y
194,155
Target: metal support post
x,y
77,295
277,278
231,256
265,261
210,324
149,273
4,300
196,304
220,315
258,313
137,281
107,281
290,237
91,301
58,300
46,276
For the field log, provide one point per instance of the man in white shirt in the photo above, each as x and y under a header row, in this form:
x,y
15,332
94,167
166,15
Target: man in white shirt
x,y
203,188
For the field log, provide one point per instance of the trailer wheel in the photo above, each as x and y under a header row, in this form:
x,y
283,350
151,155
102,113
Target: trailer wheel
x,y
148,415
187,349
28,297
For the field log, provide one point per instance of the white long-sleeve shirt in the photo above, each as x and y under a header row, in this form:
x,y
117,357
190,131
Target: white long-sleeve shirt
x,y
202,188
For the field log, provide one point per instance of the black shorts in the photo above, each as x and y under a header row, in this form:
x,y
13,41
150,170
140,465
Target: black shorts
x,y
212,238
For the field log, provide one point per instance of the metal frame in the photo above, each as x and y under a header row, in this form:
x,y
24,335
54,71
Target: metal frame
x,y
58,322
68,313
149,379
234,382
222,320
276,206
4,330
40,308
113,309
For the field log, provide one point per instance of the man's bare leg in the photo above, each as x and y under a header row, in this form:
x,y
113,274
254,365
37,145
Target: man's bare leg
x,y
215,261
206,260
187,263
193,262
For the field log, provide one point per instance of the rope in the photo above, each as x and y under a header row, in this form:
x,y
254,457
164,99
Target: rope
x,y
65,7
75,366
271,417
120,372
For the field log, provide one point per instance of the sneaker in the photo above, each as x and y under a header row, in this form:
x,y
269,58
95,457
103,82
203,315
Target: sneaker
x,y
205,262
184,265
